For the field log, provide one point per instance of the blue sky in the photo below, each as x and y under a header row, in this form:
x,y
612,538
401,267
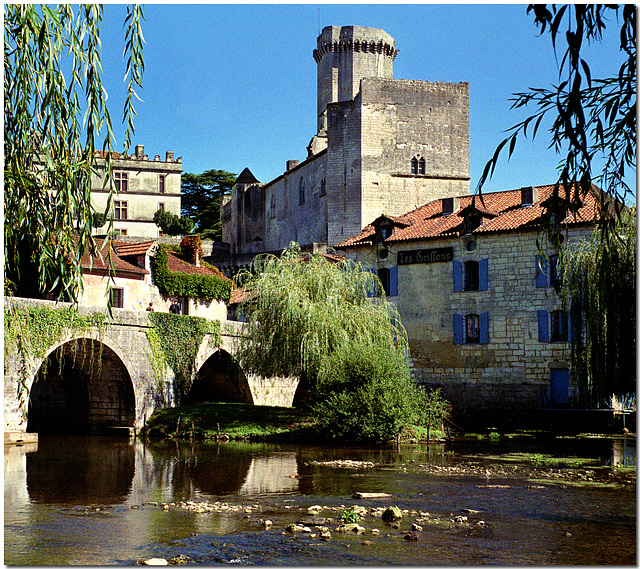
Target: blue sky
x,y
229,86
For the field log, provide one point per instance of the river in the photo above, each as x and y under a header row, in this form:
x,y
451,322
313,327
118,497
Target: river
x,y
98,500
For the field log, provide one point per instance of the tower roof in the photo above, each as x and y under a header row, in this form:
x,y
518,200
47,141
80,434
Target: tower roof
x,y
246,177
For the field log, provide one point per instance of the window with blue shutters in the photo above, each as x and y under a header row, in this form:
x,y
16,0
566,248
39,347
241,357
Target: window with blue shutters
x,y
548,272
471,328
470,275
389,280
554,326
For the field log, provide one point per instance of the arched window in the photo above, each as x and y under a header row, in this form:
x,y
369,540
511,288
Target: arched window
x,y
421,166
414,165
272,212
301,192
472,329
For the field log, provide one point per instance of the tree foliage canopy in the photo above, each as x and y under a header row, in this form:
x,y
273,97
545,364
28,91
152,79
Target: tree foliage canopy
x,y
599,286
201,198
303,308
593,120
171,224
55,111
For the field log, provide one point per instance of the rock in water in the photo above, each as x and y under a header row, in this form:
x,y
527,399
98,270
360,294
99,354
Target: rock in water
x,y
155,561
391,514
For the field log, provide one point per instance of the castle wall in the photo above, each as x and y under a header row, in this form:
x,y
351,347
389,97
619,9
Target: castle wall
x,y
402,120
287,219
144,191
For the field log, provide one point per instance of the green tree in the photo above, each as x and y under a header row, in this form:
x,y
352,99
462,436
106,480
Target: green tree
x,y
599,286
54,112
593,120
171,224
201,198
303,308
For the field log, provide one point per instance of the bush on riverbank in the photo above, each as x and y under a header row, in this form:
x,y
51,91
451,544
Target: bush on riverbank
x,y
365,393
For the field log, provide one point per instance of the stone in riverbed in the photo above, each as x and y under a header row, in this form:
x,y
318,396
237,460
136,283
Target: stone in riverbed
x,y
391,514
371,495
155,561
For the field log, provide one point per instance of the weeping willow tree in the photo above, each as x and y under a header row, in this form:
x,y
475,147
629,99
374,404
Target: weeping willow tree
x,y
55,118
303,308
599,276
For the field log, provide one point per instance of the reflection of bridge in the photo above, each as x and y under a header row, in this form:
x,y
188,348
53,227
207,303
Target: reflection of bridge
x,y
116,386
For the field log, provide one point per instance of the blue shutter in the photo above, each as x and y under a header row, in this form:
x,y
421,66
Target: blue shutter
x,y
542,268
484,328
393,281
543,326
457,276
371,290
458,329
483,274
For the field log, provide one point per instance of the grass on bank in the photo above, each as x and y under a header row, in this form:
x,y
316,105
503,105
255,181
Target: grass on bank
x,y
222,420
211,421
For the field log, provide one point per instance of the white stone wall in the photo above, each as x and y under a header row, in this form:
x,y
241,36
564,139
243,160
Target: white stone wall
x,y
143,196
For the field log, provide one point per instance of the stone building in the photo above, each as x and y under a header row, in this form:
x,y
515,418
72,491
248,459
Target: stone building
x,y
382,145
144,186
480,304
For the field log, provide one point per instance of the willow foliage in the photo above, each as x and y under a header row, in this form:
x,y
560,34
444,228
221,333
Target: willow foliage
x,y
303,308
599,277
55,111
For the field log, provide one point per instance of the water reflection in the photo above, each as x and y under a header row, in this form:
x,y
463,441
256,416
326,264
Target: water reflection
x,y
80,470
86,500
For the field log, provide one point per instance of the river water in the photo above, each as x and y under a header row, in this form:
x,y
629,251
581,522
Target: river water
x,y
97,500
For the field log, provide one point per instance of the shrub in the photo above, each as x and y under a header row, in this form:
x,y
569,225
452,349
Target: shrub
x,y
365,393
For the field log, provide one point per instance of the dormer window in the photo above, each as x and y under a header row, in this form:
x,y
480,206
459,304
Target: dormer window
x,y
447,206
472,222
526,195
418,165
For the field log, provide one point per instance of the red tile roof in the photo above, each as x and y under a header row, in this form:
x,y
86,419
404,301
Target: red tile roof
x,y
500,211
126,249
101,259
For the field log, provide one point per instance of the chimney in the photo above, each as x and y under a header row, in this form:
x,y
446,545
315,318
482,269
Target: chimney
x,y
156,158
169,156
292,164
139,151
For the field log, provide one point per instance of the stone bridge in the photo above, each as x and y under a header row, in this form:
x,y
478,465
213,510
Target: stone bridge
x,y
106,379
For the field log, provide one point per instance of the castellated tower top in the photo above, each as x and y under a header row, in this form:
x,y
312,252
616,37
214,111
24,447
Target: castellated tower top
x,y
345,55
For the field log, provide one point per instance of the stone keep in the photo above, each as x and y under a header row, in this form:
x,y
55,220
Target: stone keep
x,y
382,146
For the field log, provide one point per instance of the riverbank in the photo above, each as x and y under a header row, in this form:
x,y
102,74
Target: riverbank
x,y
240,421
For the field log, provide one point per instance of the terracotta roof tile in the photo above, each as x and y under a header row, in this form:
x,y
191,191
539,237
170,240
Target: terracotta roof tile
x,y
499,211
125,248
101,260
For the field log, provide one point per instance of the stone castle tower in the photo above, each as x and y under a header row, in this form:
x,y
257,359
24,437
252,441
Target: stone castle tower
x,y
383,146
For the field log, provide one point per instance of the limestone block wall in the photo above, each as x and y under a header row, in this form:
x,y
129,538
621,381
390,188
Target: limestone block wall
x,y
344,167
289,218
402,120
511,369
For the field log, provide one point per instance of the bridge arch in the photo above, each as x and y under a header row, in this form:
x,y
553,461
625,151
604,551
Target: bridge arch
x,y
219,378
81,386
